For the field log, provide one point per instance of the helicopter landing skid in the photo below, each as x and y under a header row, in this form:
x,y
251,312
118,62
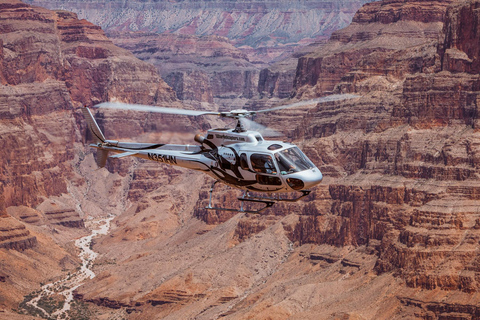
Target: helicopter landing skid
x,y
275,199
268,202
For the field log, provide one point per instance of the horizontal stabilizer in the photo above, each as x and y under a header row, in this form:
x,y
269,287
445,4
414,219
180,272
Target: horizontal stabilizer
x,y
123,154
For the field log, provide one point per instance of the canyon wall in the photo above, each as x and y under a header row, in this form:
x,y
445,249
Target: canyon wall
x,y
252,23
51,65
217,51
200,69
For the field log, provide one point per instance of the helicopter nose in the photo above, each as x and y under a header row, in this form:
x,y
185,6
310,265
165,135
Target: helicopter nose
x,y
312,178
305,179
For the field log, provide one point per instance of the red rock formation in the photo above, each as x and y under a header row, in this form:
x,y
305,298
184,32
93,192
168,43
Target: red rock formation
x,y
392,233
408,152
271,26
197,68
14,235
51,64
394,230
371,45
73,62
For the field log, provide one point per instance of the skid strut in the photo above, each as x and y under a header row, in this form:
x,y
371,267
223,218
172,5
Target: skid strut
x,y
268,202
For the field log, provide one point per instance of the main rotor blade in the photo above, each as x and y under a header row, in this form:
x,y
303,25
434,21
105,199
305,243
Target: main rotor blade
x,y
141,107
255,126
333,97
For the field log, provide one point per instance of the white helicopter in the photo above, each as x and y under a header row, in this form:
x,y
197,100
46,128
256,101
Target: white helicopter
x,y
237,157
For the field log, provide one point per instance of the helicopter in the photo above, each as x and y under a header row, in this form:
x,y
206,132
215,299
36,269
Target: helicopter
x,y
237,157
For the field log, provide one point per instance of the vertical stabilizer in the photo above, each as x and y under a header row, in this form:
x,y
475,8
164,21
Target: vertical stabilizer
x,y
102,154
93,125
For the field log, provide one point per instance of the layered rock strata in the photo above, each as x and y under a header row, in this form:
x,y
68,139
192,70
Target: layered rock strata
x,y
267,24
14,235
405,166
51,64
401,176
391,234
386,39
201,69
214,51
79,65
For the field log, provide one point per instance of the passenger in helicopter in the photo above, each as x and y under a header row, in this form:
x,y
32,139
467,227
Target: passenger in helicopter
x,y
263,163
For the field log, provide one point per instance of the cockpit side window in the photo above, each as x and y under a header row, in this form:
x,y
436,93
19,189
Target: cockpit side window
x,y
263,163
244,162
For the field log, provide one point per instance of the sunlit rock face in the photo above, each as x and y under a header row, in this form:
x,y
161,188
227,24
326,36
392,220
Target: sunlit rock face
x,y
253,23
206,68
51,65
383,39
393,231
214,51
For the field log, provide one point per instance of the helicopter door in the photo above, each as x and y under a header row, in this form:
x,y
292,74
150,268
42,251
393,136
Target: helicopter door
x,y
266,169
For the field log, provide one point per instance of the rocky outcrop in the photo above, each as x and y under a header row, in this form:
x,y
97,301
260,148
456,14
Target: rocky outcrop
x,y
396,221
393,231
14,236
65,217
273,83
405,178
388,40
213,51
201,69
53,63
26,214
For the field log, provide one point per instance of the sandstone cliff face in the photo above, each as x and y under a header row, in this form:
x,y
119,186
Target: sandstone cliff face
x,y
214,51
51,64
73,63
404,163
252,23
391,234
199,69
386,39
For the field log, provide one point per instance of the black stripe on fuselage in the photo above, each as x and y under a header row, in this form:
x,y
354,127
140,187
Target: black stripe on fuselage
x,y
154,146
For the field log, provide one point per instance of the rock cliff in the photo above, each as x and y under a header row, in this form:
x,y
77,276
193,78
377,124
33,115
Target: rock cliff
x,y
199,69
394,32
216,51
51,64
253,23
405,162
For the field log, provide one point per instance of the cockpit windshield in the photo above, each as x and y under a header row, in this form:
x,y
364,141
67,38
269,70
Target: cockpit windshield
x,y
292,160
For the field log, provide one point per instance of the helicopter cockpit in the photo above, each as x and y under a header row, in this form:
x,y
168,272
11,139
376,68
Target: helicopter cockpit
x,y
269,167
292,160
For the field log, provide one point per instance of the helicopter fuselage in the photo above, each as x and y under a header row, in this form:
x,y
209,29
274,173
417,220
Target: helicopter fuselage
x,y
242,160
